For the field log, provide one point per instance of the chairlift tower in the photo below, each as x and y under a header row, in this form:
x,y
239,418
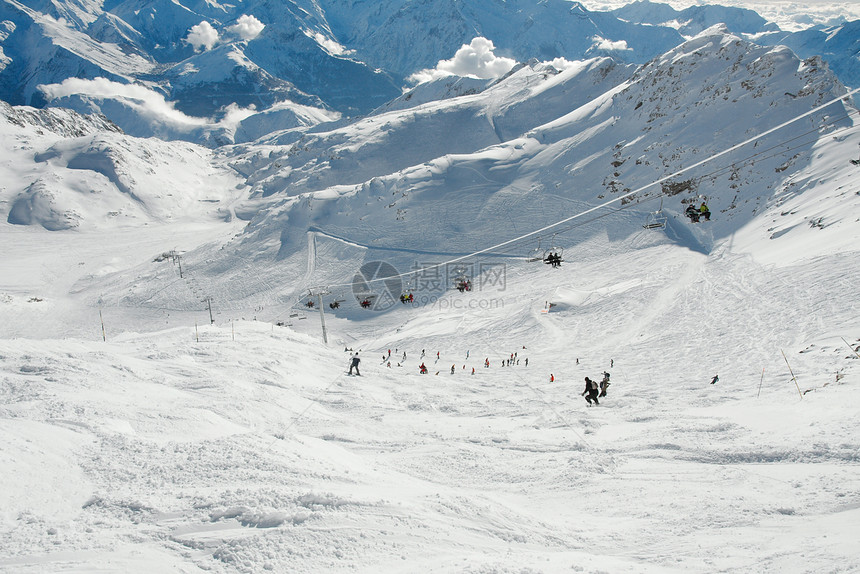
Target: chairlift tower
x,y
318,292
208,301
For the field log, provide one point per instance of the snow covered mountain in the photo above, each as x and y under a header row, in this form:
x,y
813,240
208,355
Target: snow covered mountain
x,y
167,402
695,19
207,59
837,45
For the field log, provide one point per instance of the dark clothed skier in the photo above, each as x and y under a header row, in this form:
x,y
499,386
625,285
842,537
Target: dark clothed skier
x,y
353,364
590,392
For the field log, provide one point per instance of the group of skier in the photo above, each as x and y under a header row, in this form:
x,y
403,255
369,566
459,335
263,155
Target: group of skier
x,y
594,390
696,214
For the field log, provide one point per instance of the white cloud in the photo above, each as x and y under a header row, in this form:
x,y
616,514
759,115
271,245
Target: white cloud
x,y
246,27
233,114
564,64
144,101
475,60
202,36
605,45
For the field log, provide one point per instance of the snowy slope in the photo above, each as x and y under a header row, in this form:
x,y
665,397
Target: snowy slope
x,y
245,448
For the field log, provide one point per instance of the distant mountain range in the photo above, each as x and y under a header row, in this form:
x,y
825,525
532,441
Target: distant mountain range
x,y
348,56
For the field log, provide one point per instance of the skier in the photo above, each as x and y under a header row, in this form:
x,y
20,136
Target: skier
x,y
422,369
590,392
551,378
487,363
473,370
452,369
705,212
527,361
692,213
353,364
604,384
715,379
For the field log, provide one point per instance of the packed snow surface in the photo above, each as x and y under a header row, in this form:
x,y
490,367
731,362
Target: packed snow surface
x,y
244,446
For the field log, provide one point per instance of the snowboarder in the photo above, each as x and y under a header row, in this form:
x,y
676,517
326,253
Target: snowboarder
x,y
604,384
353,364
590,392
704,211
715,379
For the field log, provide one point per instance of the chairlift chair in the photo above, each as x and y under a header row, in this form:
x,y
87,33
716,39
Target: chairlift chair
x,y
656,219
461,282
536,254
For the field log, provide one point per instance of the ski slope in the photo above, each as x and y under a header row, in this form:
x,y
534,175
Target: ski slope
x,y
244,447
